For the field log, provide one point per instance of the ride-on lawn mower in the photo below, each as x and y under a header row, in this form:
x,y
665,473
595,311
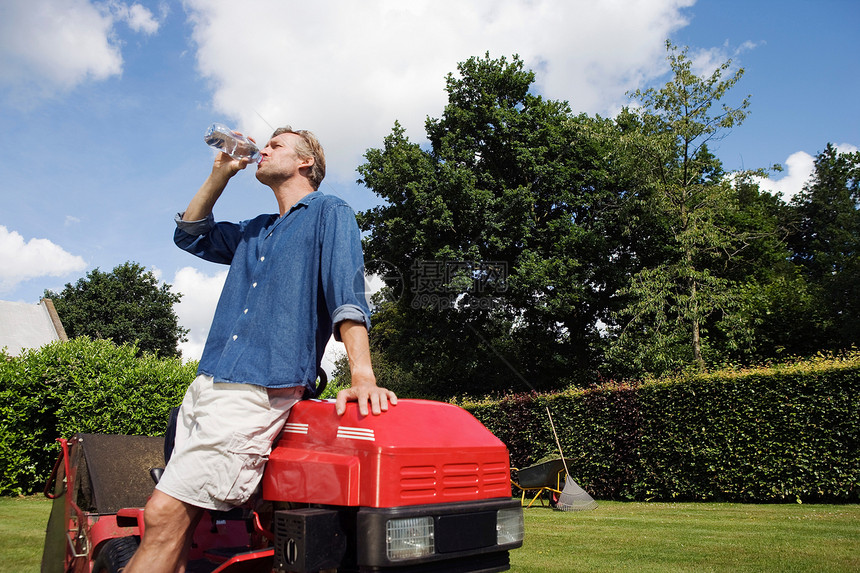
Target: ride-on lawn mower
x,y
424,487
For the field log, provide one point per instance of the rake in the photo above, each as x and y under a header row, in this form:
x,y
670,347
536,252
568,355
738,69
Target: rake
x,y
573,497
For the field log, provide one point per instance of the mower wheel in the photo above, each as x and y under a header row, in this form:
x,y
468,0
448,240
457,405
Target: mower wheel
x,y
115,555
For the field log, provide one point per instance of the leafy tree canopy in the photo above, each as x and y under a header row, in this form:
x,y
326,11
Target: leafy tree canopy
x,y
499,233
126,305
528,247
826,243
701,223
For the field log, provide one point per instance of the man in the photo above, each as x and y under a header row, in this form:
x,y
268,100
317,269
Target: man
x,y
295,278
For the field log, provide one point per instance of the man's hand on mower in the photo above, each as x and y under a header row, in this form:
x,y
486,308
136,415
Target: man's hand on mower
x,y
379,399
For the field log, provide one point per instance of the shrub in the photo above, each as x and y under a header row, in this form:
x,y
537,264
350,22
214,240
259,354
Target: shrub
x,y
82,385
787,433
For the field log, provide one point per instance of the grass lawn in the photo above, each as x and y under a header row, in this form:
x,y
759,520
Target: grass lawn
x,y
614,537
691,537
22,532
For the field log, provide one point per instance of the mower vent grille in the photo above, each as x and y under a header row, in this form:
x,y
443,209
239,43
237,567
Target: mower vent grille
x,y
454,481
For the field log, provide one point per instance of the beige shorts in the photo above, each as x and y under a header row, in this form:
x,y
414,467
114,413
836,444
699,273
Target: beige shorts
x,y
224,434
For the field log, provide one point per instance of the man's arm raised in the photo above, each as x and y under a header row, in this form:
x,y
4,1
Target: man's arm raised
x,y
224,168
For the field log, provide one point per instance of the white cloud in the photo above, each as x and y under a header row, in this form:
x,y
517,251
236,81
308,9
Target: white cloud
x,y
138,17
334,351
799,168
22,260
200,294
705,61
348,70
49,45
846,148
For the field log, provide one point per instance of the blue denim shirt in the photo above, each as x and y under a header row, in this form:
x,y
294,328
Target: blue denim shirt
x,y
291,279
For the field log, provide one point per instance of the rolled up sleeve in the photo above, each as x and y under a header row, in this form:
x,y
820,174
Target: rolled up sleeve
x,y
348,312
211,241
195,228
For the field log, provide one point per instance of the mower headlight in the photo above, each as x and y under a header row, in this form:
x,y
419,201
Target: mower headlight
x,y
509,526
409,537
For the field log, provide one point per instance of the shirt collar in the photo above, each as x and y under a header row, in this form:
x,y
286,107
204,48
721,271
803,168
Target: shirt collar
x,y
305,201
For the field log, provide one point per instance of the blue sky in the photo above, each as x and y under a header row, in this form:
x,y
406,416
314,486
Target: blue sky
x,y
104,103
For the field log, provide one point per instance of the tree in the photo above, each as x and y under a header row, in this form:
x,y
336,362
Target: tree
x,y
689,204
775,311
126,305
501,233
526,246
826,243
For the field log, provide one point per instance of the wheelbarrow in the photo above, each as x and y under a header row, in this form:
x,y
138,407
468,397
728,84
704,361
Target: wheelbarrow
x,y
540,482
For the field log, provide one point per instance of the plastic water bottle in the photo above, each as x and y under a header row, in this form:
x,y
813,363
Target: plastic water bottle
x,y
236,146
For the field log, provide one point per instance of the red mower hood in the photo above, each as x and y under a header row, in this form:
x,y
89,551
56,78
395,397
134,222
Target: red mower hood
x,y
419,452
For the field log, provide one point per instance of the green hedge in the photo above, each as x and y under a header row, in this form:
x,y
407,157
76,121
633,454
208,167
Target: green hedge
x,y
788,433
81,385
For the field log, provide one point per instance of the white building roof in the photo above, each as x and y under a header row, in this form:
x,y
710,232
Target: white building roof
x,y
24,325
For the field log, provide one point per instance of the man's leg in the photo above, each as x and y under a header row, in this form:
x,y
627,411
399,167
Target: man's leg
x,y
168,523
189,540
226,429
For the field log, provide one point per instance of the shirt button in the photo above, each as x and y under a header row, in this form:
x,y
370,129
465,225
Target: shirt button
x,y
262,259
235,336
246,311
254,285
